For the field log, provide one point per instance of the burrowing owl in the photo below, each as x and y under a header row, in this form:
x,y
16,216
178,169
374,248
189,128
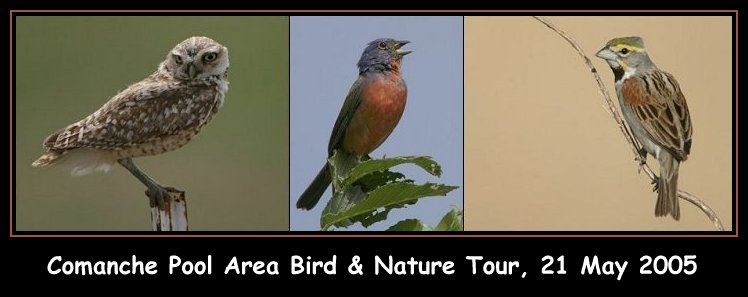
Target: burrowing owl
x,y
158,114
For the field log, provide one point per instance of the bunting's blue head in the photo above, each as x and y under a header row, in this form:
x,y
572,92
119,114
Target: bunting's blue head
x,y
382,54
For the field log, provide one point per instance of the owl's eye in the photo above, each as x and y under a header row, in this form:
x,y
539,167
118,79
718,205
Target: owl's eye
x,y
177,59
382,45
624,51
210,57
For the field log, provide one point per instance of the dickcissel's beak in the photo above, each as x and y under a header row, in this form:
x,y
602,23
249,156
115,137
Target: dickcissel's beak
x,y
606,53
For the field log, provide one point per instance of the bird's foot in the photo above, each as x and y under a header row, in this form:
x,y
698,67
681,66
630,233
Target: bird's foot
x,y
656,183
642,158
642,155
157,195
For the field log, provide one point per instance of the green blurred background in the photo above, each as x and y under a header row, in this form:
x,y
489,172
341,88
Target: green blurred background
x,y
235,172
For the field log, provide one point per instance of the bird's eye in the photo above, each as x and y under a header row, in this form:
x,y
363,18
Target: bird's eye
x,y
210,57
382,45
624,51
178,59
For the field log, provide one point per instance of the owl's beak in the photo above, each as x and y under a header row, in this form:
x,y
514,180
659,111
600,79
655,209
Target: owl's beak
x,y
192,71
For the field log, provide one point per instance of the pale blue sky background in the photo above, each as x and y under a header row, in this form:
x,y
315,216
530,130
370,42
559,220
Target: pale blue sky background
x,y
324,52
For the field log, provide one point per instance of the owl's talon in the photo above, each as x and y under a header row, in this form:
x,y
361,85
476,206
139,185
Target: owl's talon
x,y
157,195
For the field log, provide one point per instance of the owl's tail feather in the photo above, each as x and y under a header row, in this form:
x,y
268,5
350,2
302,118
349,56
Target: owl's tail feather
x,y
80,161
47,159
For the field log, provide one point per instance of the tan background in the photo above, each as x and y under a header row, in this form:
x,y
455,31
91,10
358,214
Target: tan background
x,y
542,153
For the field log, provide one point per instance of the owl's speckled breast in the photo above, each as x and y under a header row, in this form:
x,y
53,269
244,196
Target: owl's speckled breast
x,y
158,146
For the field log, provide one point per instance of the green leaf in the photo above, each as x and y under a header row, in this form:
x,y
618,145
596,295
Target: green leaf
x,y
389,195
366,192
341,164
369,219
343,197
452,221
380,178
376,165
408,225
340,202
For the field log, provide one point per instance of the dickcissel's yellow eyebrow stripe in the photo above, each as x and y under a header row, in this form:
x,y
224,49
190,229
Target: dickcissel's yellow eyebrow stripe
x,y
619,47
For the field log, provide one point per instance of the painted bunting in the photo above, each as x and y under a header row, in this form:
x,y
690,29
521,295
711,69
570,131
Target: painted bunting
x,y
371,111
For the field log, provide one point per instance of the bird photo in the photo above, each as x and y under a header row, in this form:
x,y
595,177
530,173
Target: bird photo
x,y
123,121
599,123
657,114
371,110
374,88
159,114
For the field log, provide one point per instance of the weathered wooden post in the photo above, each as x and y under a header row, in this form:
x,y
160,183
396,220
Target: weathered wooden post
x,y
172,216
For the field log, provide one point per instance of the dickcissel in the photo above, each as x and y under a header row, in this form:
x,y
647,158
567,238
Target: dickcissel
x,y
656,112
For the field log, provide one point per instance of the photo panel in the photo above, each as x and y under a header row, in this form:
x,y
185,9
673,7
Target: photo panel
x,y
187,121
357,88
543,154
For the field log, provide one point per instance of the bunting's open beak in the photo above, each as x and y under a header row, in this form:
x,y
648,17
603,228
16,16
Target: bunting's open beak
x,y
401,52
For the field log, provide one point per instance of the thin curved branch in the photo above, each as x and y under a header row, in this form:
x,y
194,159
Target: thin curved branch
x,y
611,108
